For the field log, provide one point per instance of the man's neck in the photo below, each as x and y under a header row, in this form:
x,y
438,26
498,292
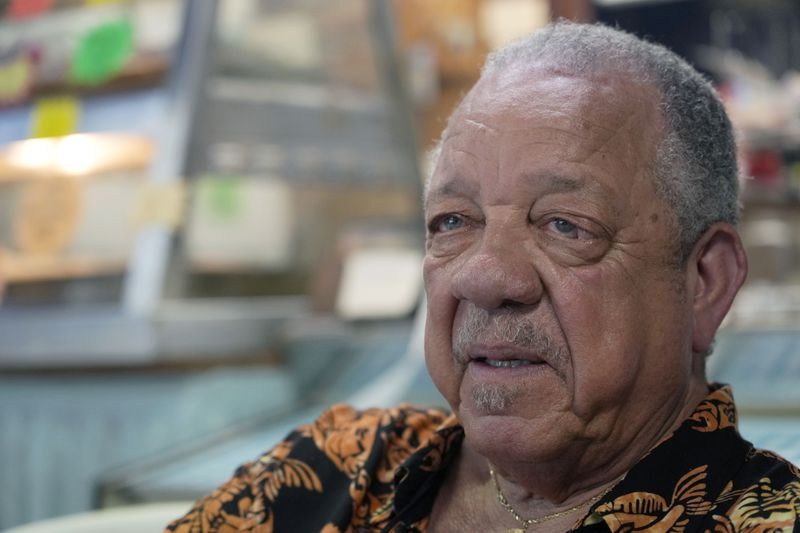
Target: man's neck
x,y
581,472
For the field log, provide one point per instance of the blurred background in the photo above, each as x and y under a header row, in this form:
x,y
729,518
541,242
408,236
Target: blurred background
x,y
210,224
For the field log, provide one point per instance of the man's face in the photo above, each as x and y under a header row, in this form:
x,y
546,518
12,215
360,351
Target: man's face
x,y
556,315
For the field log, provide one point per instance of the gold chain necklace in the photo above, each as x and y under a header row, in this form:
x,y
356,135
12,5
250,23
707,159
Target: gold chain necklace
x,y
527,522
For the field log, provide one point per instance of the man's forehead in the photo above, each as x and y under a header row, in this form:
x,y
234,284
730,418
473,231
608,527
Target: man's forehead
x,y
581,118
548,74
579,128
520,91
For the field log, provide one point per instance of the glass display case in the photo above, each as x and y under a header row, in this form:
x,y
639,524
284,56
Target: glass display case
x,y
85,90
234,166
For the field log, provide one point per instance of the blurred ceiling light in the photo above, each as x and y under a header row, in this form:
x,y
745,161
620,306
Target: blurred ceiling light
x,y
78,155
31,154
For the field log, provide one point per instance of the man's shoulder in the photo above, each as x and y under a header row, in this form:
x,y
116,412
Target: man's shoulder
x,y
765,464
343,428
763,496
346,418
304,476
346,434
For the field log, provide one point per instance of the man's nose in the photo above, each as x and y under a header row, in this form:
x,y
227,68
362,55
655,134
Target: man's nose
x,y
497,274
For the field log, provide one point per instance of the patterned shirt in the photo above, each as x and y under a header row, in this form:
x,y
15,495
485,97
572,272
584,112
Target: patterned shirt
x,y
379,470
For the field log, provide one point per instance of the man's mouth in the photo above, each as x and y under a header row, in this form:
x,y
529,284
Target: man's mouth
x,y
503,363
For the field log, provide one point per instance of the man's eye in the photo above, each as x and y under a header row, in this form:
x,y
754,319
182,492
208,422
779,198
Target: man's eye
x,y
447,223
565,228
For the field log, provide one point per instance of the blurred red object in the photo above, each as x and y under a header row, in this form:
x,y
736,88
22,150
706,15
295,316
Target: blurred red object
x,y
765,166
22,9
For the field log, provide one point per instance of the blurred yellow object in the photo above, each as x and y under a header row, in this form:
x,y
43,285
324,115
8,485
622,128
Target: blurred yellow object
x,y
15,79
55,116
160,204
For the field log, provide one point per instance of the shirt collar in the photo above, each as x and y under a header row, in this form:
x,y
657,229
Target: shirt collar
x,y
683,474
418,478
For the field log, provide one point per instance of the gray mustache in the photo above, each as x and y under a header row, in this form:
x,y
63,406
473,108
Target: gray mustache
x,y
509,327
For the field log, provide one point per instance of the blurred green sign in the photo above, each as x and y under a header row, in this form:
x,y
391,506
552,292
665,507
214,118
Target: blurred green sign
x,y
223,196
102,52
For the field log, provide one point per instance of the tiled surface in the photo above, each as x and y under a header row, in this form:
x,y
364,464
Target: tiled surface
x,y
58,434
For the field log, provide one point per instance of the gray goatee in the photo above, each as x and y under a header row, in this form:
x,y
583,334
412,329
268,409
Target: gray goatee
x,y
510,327
493,398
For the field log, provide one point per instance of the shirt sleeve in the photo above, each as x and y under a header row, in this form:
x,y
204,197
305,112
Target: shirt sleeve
x,y
244,501
334,474
224,510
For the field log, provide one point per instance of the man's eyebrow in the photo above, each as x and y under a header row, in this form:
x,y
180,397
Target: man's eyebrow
x,y
449,189
550,184
563,184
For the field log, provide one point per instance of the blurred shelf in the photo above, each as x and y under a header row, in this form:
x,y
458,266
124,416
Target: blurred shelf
x,y
193,331
292,94
137,112
633,3
762,138
782,201
17,268
764,308
763,366
143,72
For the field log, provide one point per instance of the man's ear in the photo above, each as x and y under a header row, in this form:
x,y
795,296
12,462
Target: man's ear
x,y
719,267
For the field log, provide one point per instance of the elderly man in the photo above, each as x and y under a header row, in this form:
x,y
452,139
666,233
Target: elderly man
x,y
581,254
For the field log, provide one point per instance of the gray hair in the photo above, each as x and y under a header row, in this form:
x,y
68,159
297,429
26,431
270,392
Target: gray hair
x,y
696,170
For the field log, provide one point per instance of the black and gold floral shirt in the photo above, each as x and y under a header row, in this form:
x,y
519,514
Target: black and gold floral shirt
x,y
379,470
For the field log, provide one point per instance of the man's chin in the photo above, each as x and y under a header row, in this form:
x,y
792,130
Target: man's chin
x,y
524,398
491,399
505,436
503,421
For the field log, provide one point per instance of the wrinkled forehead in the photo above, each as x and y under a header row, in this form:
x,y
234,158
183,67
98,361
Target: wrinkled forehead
x,y
609,113
539,124
603,101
